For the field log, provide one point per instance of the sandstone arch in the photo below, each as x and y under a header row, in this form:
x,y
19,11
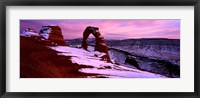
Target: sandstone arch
x,y
100,44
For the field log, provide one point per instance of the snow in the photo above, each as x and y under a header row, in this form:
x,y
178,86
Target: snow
x,y
45,32
42,39
104,68
90,48
122,74
46,36
81,56
29,34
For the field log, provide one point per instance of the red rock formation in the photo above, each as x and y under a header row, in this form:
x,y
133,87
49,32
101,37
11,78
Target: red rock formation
x,y
54,34
100,42
38,61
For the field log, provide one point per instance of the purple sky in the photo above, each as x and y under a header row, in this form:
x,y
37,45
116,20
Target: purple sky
x,y
112,29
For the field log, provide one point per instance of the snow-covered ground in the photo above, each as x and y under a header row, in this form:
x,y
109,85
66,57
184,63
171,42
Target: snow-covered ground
x,y
103,68
29,34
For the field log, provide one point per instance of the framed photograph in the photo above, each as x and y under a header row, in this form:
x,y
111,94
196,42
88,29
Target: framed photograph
x,y
86,48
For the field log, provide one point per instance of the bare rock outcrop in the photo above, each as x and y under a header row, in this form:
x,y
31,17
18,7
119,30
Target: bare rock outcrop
x,y
54,34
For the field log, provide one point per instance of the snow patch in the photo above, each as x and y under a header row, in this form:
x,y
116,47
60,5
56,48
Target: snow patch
x,y
46,36
45,31
104,68
29,34
118,73
90,48
81,56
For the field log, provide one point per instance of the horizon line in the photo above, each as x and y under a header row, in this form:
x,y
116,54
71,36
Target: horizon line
x,y
126,38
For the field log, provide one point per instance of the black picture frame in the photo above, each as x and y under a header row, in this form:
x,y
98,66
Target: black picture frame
x,y
4,3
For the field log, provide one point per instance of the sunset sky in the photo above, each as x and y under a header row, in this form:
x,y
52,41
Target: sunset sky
x,y
111,29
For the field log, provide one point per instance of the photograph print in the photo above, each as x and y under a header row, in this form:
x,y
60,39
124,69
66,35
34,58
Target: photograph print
x,y
100,48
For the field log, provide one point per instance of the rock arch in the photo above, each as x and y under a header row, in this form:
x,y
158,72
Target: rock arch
x,y
100,44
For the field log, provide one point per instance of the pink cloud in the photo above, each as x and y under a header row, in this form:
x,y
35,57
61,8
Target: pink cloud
x,y
113,29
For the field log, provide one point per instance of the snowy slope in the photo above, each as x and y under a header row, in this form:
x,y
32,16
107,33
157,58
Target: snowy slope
x,y
28,32
103,68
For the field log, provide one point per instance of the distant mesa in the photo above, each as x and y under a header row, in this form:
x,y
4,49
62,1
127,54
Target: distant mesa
x,y
100,44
